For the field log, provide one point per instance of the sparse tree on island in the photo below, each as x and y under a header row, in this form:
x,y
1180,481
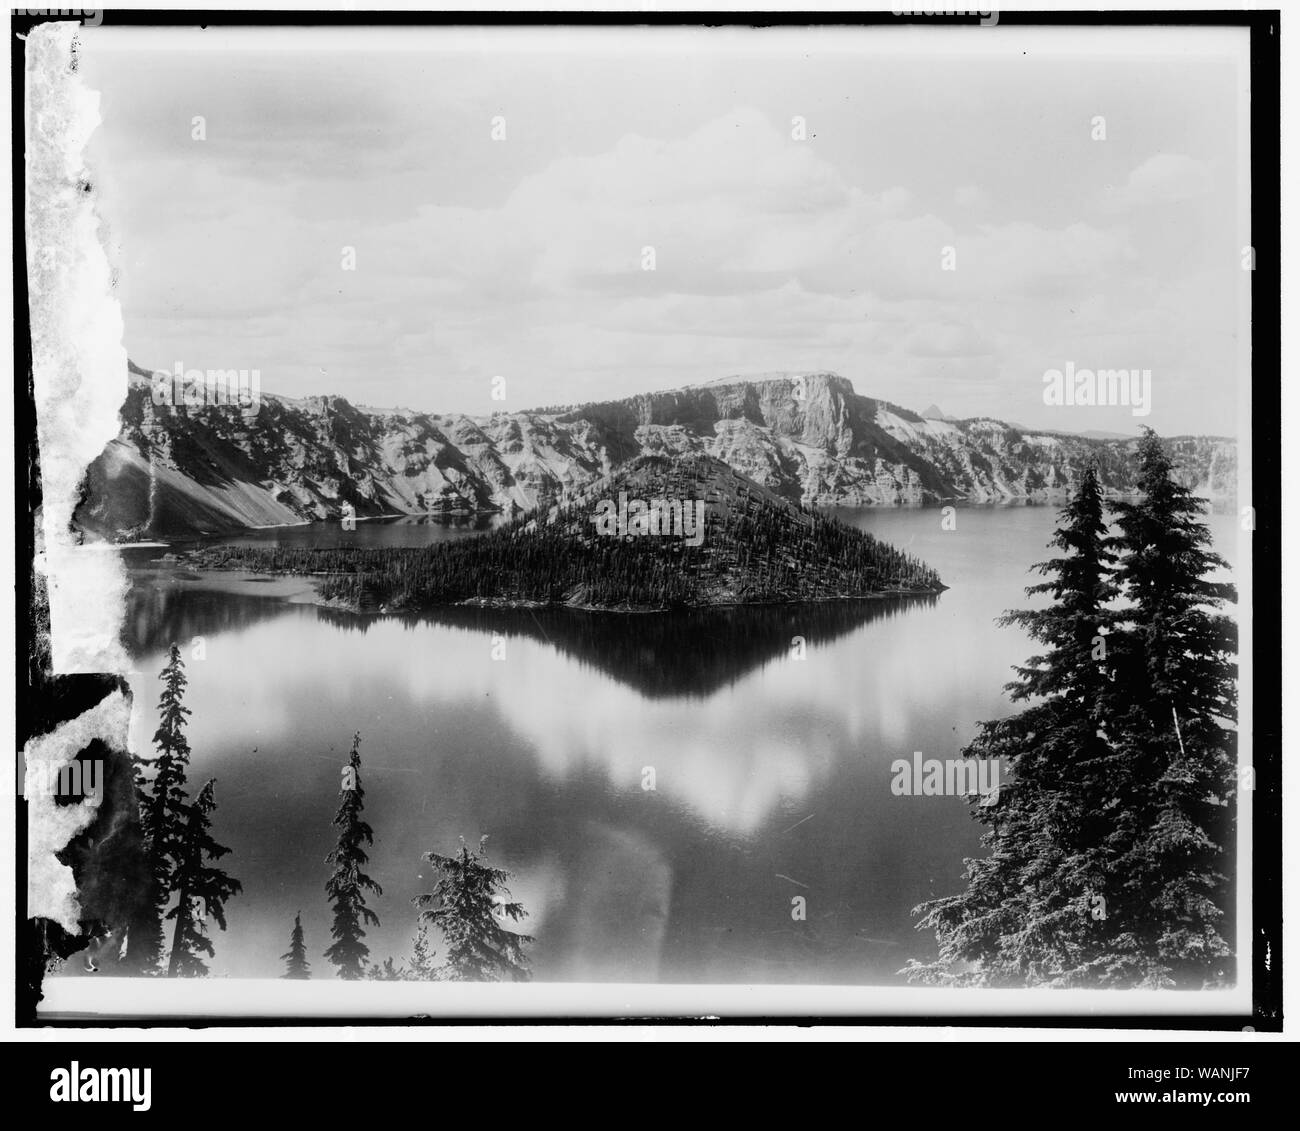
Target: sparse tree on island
x,y
348,884
1104,847
202,889
469,906
296,965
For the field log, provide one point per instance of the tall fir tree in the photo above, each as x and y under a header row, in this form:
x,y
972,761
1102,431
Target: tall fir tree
x,y
1172,714
1180,645
469,905
1024,916
1101,864
348,884
144,928
296,965
1075,625
162,800
202,889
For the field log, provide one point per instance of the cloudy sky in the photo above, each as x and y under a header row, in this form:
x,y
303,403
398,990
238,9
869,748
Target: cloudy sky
x,y
523,256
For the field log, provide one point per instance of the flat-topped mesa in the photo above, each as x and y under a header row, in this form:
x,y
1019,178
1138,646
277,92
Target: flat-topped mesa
x,y
660,533
811,408
795,384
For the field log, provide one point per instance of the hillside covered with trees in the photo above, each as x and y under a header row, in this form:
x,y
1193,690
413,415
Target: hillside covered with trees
x,y
754,548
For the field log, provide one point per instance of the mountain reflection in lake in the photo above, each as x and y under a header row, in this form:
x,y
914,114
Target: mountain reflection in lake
x,y
771,773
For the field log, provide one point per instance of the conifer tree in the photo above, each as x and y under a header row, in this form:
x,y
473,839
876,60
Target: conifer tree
x,y
144,928
1180,644
469,905
296,965
422,968
348,884
202,890
162,801
164,813
390,971
1024,915
1102,848
1173,710
1074,627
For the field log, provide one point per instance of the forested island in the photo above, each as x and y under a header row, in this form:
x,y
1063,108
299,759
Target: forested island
x,y
600,550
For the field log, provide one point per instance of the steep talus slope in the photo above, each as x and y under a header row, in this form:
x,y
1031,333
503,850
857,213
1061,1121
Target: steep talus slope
x,y
810,438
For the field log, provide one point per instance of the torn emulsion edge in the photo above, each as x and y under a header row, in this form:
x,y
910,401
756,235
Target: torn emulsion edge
x,y
78,359
79,383
51,886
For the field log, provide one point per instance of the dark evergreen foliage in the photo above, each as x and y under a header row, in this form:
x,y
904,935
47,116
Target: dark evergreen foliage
x,y
202,890
1178,648
1105,848
163,811
469,905
1075,626
388,972
296,965
1172,718
755,550
348,884
422,967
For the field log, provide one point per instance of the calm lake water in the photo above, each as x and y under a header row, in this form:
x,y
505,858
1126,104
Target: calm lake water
x,y
771,774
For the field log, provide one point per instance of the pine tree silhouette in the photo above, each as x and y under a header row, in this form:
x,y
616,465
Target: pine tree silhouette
x,y
296,965
468,907
390,971
348,884
1104,849
422,966
162,800
202,890
1172,707
1023,919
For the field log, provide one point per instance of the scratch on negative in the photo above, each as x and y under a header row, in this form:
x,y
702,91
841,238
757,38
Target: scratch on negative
x,y
798,823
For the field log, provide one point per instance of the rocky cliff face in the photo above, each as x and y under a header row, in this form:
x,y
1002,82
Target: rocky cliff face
x,y
176,471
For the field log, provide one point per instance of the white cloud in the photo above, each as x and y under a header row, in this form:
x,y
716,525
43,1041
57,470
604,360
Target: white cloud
x,y
524,258
1166,178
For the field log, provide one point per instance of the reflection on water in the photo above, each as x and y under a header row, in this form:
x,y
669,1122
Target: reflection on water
x,y
771,773
399,530
683,653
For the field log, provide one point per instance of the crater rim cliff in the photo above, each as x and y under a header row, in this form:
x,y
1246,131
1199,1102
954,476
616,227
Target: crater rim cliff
x,y
182,472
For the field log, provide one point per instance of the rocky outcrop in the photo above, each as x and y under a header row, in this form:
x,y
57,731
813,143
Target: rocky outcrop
x,y
810,438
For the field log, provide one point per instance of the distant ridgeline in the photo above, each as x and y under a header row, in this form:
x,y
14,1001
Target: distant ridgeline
x,y
631,541
180,470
